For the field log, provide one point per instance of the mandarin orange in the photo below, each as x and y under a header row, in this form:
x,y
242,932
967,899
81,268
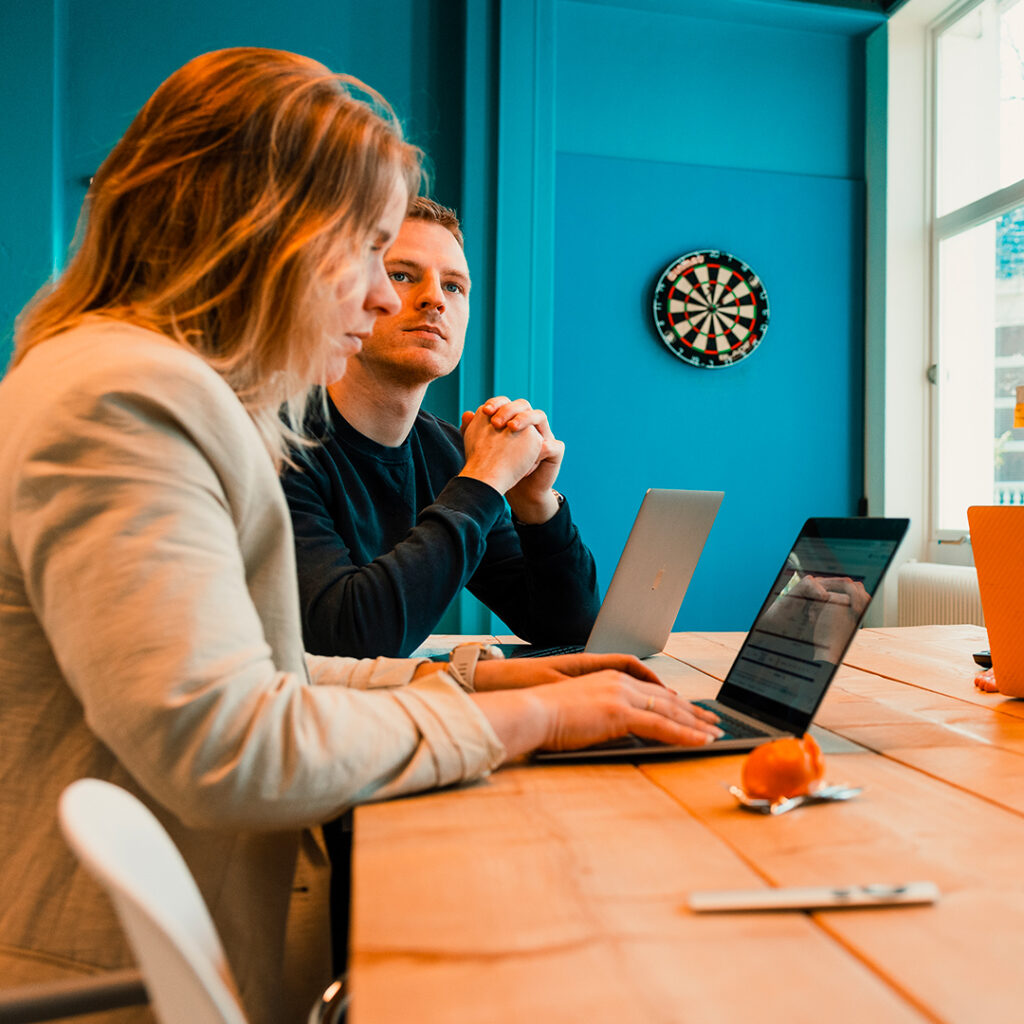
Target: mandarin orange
x,y
782,768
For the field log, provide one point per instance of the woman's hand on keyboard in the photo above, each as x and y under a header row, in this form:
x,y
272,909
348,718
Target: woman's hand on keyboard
x,y
594,708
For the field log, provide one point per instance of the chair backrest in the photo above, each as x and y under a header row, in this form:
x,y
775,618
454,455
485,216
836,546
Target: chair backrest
x,y
125,848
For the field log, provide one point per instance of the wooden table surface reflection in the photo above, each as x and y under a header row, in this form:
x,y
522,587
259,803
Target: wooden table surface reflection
x,y
558,893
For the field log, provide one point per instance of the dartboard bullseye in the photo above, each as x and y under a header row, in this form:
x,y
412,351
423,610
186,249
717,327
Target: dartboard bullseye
x,y
710,309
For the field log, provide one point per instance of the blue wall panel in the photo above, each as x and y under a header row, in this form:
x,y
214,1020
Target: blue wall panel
x,y
707,90
28,157
111,56
116,58
781,432
726,124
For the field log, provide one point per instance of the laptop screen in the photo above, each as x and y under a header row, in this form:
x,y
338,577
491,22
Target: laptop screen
x,y
809,619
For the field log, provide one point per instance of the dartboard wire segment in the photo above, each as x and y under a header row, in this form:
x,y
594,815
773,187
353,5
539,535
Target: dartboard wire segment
x,y
710,308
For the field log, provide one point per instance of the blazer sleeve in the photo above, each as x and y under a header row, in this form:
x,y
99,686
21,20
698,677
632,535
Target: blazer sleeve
x,y
133,523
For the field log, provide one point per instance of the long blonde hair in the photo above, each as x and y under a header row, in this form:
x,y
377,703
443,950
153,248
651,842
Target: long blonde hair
x,y
227,217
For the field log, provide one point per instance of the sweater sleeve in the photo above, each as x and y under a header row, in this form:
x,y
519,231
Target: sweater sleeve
x,y
390,605
540,579
132,520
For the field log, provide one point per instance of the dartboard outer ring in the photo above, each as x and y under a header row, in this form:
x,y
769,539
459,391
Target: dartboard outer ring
x,y
710,309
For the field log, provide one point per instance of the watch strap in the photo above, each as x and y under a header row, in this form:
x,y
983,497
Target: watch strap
x,y
463,660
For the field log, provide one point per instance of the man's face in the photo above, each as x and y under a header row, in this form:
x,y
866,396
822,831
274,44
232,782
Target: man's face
x,y
424,339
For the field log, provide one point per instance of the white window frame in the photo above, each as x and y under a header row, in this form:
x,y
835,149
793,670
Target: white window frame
x,y
950,546
897,462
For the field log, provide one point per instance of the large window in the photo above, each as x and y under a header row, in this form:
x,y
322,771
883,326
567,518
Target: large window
x,y
978,259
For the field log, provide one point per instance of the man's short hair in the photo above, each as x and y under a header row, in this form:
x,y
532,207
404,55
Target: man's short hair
x,y
426,209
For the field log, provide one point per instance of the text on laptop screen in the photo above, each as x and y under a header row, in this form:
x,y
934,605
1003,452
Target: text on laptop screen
x,y
806,624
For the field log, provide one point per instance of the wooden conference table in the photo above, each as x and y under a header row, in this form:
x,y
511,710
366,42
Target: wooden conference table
x,y
558,893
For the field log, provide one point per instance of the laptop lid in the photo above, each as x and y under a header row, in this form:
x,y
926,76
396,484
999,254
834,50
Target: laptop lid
x,y
997,537
654,571
809,619
797,641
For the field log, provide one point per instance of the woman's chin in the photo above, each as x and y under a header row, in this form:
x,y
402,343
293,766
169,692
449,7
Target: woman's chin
x,y
336,362
334,369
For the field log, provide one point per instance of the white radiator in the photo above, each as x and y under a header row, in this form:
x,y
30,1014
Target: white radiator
x,y
933,594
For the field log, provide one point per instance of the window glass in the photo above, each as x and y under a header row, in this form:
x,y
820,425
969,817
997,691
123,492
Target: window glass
x,y
980,456
966,336
980,103
1009,357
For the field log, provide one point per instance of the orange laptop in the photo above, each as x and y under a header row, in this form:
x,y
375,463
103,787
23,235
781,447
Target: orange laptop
x,y
997,536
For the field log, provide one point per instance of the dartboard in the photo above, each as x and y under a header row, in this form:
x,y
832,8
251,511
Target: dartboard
x,y
710,309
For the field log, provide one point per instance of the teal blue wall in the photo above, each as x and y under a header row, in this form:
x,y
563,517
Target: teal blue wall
x,y
681,132
108,58
117,55
587,143
767,95
28,157
780,432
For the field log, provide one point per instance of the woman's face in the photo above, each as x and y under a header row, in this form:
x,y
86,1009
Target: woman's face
x,y
366,292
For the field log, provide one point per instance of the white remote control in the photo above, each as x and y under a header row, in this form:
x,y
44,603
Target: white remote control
x,y
816,897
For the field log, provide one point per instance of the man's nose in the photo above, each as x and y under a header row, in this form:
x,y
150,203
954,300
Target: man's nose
x,y
431,296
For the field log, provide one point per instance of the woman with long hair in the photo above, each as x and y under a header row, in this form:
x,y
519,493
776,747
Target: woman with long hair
x,y
230,259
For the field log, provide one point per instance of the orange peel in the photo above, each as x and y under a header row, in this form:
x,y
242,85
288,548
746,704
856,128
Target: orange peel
x,y
783,768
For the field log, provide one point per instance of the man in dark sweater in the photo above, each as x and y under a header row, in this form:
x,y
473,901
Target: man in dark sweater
x,y
398,510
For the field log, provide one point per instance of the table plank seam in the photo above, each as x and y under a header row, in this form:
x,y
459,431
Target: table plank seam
x,y
877,969
1005,707
813,917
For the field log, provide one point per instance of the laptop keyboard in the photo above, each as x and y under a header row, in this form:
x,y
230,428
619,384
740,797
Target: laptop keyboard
x,y
545,652
734,728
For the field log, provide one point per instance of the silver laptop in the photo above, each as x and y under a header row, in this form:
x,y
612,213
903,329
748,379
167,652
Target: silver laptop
x,y
650,581
797,641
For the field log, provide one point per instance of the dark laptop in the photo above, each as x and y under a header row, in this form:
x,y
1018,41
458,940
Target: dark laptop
x,y
797,641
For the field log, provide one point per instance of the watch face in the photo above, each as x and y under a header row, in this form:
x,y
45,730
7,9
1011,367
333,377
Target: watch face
x,y
710,309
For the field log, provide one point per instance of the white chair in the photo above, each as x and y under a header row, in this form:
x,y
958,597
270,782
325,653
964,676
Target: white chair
x,y
170,931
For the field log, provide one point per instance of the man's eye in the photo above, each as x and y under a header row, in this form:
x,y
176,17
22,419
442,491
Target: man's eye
x,y
399,276
453,286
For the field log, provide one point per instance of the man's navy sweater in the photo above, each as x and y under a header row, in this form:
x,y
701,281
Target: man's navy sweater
x,y
385,538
